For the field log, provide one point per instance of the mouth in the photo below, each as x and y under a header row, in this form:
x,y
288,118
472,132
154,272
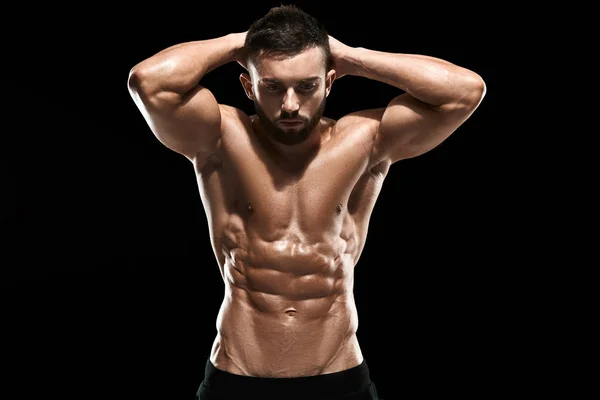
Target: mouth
x,y
290,122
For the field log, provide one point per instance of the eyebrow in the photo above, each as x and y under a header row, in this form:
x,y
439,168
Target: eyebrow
x,y
305,80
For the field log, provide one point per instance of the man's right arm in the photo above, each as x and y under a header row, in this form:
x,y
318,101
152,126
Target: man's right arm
x,y
181,113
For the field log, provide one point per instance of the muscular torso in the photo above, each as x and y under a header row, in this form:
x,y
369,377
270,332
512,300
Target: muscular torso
x,y
286,242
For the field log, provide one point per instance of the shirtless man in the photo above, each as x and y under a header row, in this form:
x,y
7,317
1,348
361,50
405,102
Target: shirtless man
x,y
288,193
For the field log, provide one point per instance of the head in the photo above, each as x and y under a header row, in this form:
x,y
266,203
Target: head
x,y
289,72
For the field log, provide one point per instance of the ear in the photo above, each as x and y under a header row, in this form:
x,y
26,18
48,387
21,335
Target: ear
x,y
329,79
247,85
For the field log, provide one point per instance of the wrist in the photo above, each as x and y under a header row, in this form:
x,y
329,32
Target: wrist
x,y
352,60
237,43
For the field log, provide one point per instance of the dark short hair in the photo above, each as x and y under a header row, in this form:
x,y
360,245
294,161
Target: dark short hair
x,y
286,30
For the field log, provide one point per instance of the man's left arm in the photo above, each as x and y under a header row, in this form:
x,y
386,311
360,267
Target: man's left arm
x,y
438,97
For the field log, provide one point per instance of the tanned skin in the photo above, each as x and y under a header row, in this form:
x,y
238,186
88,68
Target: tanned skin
x,y
288,222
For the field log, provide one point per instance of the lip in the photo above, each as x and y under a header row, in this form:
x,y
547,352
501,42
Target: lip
x,y
290,121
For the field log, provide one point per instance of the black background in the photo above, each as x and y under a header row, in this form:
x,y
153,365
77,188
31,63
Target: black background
x,y
111,287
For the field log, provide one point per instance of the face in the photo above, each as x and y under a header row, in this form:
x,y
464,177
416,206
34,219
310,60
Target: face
x,y
289,94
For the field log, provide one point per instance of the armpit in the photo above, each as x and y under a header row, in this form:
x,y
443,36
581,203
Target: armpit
x,y
206,164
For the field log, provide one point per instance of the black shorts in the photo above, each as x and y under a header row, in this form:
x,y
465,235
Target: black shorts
x,y
351,384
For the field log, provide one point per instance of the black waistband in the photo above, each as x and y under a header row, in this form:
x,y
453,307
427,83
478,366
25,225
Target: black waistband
x,y
337,383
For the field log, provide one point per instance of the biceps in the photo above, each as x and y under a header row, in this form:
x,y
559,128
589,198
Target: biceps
x,y
410,128
190,126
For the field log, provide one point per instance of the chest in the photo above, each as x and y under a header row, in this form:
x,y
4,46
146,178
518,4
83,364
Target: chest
x,y
242,179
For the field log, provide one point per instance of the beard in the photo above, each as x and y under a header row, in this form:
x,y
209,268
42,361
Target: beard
x,y
293,135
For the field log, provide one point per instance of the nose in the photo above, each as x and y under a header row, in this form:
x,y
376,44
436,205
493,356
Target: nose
x,y
290,102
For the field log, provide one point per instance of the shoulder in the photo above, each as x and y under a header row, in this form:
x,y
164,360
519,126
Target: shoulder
x,y
360,124
234,120
360,129
363,119
232,114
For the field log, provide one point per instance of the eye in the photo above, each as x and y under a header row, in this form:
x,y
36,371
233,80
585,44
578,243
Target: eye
x,y
307,87
272,87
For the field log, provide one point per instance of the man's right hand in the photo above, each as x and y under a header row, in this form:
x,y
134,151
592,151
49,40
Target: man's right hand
x,y
241,57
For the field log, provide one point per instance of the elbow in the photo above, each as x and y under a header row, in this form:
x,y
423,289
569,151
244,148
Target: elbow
x,y
467,95
136,81
144,81
477,91
138,88
143,90
147,88
473,91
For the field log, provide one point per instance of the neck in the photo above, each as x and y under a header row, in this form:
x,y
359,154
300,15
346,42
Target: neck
x,y
298,155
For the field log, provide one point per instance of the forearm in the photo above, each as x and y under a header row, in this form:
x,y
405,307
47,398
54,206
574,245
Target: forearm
x,y
429,79
180,68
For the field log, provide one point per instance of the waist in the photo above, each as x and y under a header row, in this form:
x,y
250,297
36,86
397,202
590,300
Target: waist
x,y
350,380
282,344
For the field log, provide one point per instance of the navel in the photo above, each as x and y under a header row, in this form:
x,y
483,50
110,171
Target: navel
x,y
338,208
291,312
249,207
